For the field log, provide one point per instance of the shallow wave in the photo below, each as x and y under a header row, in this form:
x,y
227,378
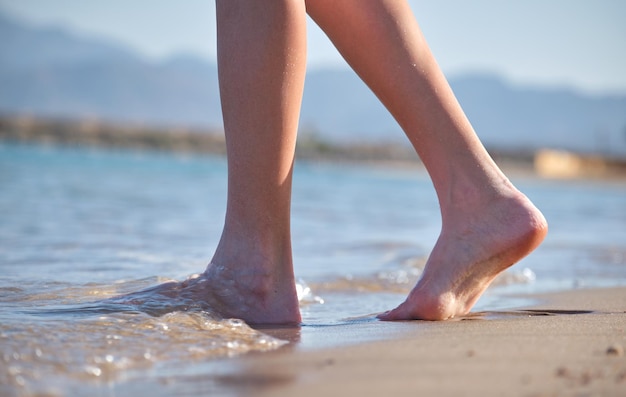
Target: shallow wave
x,y
47,340
99,333
108,347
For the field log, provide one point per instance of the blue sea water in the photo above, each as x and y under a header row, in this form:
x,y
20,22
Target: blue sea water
x,y
78,225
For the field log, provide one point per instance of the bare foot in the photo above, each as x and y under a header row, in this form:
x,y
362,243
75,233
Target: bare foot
x,y
473,248
253,297
256,297
225,293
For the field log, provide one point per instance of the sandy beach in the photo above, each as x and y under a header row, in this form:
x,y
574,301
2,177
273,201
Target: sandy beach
x,y
570,343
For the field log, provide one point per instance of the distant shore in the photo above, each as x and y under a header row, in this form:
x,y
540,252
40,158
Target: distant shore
x,y
96,133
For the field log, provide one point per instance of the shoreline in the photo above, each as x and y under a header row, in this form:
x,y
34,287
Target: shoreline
x,y
570,344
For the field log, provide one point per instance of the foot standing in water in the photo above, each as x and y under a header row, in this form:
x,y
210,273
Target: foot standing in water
x,y
487,224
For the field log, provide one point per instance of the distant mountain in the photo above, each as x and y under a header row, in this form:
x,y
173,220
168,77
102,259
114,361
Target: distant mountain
x,y
505,115
51,72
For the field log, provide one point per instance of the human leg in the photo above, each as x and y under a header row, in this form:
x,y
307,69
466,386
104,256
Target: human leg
x,y
261,63
487,224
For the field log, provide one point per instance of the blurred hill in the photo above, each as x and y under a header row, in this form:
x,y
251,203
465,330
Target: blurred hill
x,y
50,72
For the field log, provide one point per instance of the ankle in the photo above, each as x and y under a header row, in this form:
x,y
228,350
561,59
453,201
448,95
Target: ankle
x,y
260,264
261,252
465,196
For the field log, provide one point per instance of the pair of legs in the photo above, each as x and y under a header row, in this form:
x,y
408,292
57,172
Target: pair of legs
x,y
487,224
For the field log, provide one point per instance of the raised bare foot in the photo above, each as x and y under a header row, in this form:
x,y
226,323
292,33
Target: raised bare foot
x,y
473,248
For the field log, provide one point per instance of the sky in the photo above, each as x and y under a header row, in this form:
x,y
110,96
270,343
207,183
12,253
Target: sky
x,y
574,43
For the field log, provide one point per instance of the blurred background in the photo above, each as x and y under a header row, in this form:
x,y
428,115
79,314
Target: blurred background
x,y
543,82
531,75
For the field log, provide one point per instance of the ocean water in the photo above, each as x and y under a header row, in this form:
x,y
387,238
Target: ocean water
x,y
79,226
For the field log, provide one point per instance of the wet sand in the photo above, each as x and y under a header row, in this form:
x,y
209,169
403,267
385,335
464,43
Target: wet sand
x,y
569,343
